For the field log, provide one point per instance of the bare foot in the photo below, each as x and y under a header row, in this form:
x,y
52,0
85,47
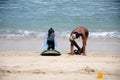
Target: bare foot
x,y
84,54
71,54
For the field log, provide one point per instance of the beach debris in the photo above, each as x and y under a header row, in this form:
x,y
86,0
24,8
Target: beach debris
x,y
88,69
38,72
100,74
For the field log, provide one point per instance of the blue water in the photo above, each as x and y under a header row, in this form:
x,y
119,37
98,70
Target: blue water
x,y
36,16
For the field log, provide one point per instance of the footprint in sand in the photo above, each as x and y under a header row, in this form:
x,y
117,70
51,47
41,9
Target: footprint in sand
x,y
38,72
88,69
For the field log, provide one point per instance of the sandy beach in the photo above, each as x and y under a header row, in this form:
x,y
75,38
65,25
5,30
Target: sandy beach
x,y
26,24
27,64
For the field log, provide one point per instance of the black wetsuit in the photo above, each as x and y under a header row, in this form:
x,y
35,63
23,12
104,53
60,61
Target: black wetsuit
x,y
50,42
78,35
50,39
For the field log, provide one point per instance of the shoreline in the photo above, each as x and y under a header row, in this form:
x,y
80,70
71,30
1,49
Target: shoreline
x,y
63,44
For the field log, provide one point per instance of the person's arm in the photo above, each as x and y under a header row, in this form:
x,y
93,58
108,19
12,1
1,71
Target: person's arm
x,y
84,43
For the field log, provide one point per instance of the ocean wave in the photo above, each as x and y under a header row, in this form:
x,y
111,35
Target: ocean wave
x,y
105,35
21,34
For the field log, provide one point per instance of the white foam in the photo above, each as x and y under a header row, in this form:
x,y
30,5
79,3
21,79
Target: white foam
x,y
105,35
65,34
11,34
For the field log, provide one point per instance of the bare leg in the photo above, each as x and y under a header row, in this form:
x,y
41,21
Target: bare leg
x,y
84,46
71,52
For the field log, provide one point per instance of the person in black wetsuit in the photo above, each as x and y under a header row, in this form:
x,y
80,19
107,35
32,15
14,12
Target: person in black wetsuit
x,y
76,33
50,39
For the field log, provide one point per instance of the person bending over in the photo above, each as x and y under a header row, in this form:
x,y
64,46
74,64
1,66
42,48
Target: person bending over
x,y
75,34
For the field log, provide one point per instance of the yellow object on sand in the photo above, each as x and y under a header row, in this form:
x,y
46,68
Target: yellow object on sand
x,y
100,75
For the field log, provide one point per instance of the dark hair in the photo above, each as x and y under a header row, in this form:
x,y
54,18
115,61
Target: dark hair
x,y
51,30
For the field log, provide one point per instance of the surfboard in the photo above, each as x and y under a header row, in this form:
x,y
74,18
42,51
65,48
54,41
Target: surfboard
x,y
50,53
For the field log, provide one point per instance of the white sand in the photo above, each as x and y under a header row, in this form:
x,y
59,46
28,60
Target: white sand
x,y
29,65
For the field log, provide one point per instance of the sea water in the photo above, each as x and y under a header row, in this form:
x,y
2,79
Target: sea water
x,y
33,18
